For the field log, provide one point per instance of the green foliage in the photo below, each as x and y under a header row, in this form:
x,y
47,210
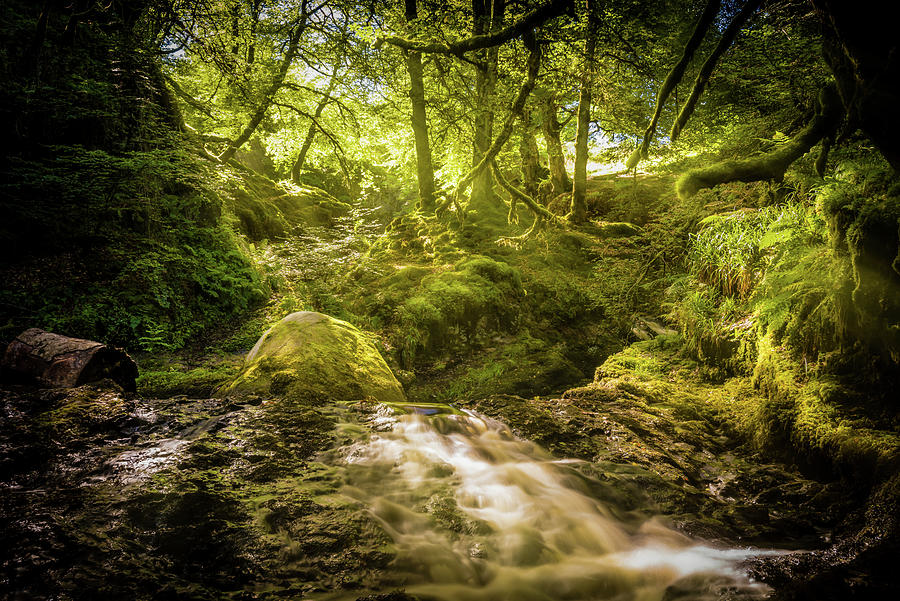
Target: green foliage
x,y
137,240
862,207
727,253
523,365
769,267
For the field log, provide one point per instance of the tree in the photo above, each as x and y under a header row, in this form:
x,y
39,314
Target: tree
x,y
314,125
487,17
272,89
551,128
424,167
578,206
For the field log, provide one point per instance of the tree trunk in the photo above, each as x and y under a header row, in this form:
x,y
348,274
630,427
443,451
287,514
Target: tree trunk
x,y
578,207
518,105
528,151
268,96
707,17
424,167
488,16
297,169
58,361
860,45
556,160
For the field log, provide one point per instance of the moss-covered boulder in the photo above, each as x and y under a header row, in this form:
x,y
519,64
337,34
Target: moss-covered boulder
x,y
616,229
262,209
310,356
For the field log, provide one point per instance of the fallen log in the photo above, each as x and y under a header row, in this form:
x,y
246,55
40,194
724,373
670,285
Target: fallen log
x,y
57,361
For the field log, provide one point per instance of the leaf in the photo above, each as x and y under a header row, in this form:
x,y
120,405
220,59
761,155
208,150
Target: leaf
x,y
771,238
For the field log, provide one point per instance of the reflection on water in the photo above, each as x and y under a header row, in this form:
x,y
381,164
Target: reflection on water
x,y
136,465
478,514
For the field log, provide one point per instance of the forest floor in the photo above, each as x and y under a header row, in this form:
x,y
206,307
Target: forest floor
x,y
564,336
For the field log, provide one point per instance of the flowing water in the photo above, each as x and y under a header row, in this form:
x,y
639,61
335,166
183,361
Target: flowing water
x,y
200,499
478,514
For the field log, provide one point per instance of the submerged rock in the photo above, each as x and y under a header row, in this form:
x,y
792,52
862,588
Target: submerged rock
x,y
309,355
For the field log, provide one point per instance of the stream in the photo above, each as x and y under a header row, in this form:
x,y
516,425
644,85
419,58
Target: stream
x,y
526,526
203,499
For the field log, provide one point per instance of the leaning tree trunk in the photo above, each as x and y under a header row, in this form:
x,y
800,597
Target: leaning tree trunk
x,y
556,159
769,166
424,167
578,207
707,17
488,17
59,361
268,96
297,169
706,70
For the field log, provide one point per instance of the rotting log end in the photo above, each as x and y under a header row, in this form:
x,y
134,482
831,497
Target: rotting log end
x,y
57,361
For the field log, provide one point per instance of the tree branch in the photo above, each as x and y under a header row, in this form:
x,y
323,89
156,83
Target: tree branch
x,y
774,164
706,70
527,23
190,100
706,19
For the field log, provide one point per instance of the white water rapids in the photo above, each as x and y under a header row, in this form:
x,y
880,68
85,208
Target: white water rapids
x,y
478,514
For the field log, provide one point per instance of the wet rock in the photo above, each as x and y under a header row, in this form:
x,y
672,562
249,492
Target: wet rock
x,y
308,355
647,329
656,453
861,565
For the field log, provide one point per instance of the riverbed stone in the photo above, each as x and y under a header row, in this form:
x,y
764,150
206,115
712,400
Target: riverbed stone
x,y
312,356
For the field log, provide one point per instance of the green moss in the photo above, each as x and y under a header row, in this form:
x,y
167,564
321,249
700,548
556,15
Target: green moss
x,y
862,209
308,357
646,360
197,382
818,417
262,209
452,307
520,365
82,411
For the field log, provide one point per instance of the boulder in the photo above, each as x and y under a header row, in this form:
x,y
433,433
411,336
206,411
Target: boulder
x,y
58,361
616,229
311,356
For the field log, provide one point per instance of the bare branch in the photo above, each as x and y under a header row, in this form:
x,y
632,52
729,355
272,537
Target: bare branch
x,y
477,42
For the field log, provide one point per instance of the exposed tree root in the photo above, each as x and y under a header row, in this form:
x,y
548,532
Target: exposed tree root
x,y
518,195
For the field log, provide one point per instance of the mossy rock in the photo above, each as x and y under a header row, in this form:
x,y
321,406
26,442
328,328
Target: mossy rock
x,y
310,206
620,229
308,356
452,308
262,209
